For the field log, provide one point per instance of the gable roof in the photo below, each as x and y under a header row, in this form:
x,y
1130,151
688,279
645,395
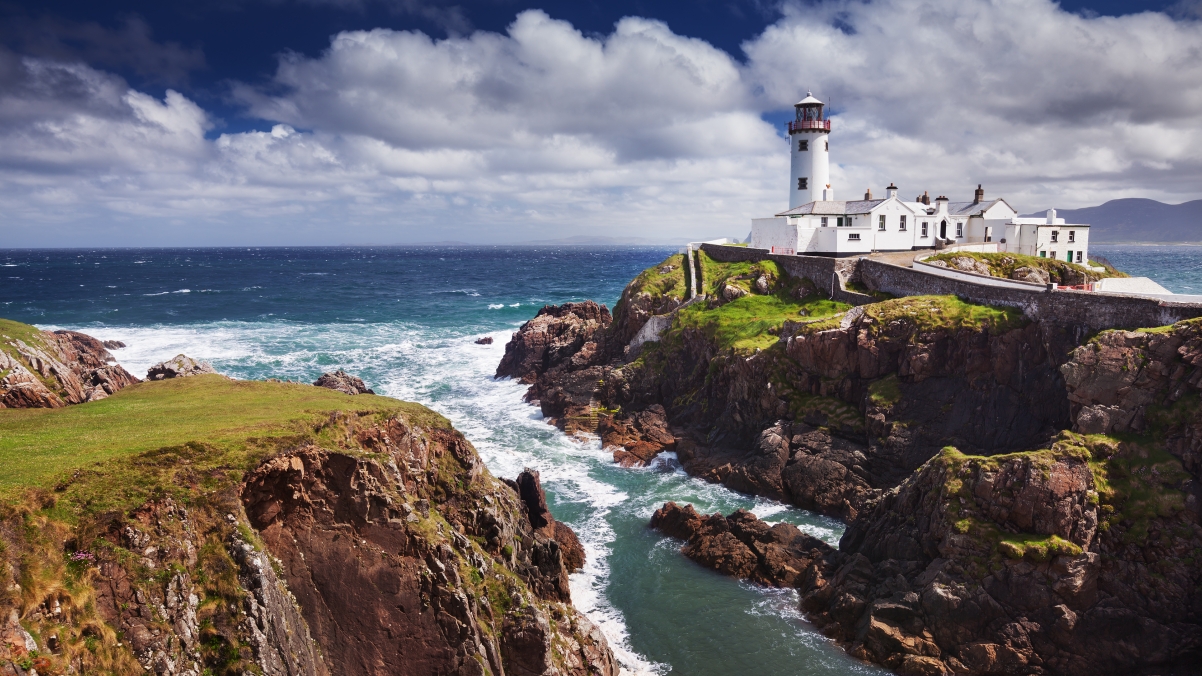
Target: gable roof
x,y
974,208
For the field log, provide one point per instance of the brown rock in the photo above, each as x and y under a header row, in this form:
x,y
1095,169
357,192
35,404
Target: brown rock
x,y
486,340
64,367
343,382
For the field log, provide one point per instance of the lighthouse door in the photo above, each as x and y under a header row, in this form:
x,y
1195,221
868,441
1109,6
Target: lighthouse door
x,y
943,230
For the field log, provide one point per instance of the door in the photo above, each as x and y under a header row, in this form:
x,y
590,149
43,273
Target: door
x,y
943,230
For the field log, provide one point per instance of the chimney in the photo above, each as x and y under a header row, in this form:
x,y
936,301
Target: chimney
x,y
926,197
1051,217
868,194
941,198
979,195
891,191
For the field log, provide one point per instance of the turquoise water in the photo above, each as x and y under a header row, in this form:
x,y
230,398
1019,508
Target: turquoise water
x,y
406,320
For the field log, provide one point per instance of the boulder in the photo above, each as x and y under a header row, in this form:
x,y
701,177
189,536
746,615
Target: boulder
x,y
486,340
969,264
180,366
343,382
732,291
1029,274
113,344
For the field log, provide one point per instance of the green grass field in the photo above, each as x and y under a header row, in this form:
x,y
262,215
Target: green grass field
x,y
37,446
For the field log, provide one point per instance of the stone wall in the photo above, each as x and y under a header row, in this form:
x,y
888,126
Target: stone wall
x,y
1092,310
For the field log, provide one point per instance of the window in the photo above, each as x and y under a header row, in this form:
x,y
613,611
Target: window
x,y
959,229
824,224
881,223
1055,235
839,222
1072,235
901,224
1078,256
803,146
853,236
803,183
1052,255
1043,254
826,145
924,229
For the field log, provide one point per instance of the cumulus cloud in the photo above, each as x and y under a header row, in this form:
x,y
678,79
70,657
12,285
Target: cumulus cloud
x,y
543,131
1046,105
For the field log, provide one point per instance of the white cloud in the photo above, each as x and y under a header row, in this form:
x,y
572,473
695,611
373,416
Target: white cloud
x,y
544,132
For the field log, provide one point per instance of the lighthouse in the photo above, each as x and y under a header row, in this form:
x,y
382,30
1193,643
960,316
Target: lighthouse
x,y
808,134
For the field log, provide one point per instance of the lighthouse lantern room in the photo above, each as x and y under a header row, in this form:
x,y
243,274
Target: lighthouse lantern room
x,y
808,133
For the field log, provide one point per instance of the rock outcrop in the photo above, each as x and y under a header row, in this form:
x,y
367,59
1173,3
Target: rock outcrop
x,y
56,369
559,354
741,545
386,561
343,382
180,366
387,549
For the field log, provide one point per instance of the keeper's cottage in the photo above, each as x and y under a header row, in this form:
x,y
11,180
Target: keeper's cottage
x,y
817,224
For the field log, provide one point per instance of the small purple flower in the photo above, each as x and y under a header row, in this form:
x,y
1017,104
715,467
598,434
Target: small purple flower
x,y
83,555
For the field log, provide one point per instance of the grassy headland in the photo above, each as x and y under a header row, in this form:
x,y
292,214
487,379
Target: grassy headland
x,y
38,446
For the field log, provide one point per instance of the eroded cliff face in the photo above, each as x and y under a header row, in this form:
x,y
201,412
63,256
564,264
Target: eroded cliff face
x,y
43,369
379,546
834,412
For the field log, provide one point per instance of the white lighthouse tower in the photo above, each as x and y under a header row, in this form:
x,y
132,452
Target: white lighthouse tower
x,y
811,172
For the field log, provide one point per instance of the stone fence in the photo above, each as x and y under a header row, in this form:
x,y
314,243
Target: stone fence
x,y
1091,310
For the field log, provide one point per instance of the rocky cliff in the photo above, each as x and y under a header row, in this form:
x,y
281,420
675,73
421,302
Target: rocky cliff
x,y
1017,502
371,541
44,369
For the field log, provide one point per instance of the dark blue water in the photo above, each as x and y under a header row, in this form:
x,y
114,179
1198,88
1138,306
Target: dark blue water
x,y
405,320
1177,268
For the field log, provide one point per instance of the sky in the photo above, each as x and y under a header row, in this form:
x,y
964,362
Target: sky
x,y
326,122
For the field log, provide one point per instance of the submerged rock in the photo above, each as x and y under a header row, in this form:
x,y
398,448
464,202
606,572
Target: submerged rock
x,y
486,340
180,366
113,344
343,382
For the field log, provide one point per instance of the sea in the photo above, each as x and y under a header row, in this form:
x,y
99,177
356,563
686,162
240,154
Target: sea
x,y
406,319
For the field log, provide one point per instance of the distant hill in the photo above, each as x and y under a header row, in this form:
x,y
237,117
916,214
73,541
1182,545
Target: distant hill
x,y
1138,220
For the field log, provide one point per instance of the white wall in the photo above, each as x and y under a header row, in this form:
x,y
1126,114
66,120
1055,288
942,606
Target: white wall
x,y
893,238
774,234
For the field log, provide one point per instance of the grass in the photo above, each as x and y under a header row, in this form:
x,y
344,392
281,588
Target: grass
x,y
11,331
753,322
885,392
917,314
659,284
37,446
715,275
1003,264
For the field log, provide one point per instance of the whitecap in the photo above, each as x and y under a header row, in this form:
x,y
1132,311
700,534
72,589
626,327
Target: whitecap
x,y
495,306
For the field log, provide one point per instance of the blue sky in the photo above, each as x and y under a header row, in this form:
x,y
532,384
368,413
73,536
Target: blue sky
x,y
399,121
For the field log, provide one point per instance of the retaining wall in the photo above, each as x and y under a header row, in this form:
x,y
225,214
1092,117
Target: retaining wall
x,y
1089,309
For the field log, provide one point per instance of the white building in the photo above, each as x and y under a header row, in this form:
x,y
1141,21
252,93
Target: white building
x,y
818,224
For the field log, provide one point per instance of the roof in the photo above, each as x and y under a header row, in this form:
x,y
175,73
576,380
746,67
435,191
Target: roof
x,y
833,208
973,208
809,100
